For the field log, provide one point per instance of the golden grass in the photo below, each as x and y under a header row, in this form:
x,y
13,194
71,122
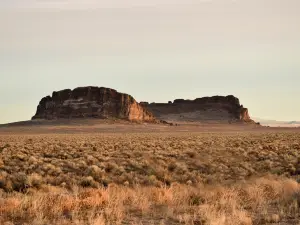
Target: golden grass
x,y
147,178
258,201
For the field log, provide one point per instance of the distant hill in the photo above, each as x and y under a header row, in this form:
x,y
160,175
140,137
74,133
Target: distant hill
x,y
276,123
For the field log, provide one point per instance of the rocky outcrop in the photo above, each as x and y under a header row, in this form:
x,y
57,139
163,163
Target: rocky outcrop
x,y
244,115
88,102
226,108
100,102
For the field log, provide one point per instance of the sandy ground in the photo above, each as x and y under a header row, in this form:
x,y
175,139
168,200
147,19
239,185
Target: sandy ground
x,y
102,126
50,152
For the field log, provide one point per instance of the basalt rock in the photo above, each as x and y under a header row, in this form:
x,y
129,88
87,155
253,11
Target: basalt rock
x,y
226,108
91,102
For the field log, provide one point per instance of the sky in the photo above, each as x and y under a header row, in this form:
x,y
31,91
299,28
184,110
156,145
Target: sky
x,y
156,50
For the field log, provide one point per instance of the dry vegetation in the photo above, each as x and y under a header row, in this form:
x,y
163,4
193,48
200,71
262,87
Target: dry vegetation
x,y
147,178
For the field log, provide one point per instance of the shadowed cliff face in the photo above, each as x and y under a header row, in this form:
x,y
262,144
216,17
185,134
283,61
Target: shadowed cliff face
x,y
88,102
218,108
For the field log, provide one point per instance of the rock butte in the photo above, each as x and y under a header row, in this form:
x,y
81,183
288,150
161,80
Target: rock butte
x,y
104,103
91,102
218,108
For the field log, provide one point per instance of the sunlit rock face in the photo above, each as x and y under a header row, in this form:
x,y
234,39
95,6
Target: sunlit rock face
x,y
91,102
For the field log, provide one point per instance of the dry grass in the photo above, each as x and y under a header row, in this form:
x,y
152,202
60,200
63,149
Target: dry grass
x,y
259,201
147,178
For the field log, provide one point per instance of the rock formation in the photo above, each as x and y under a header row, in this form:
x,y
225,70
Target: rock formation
x,y
223,108
88,102
100,102
244,115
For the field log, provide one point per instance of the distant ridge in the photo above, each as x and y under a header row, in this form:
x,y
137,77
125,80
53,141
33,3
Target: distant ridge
x,y
276,123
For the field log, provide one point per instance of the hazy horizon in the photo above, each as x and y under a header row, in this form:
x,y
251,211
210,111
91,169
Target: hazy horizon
x,y
155,51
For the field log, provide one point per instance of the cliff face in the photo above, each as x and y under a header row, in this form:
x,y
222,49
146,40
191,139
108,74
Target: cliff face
x,y
88,102
100,102
244,115
208,108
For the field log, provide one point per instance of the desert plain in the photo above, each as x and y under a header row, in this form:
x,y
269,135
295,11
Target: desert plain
x,y
88,172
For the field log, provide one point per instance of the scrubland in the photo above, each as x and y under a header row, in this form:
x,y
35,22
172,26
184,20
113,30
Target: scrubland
x,y
150,178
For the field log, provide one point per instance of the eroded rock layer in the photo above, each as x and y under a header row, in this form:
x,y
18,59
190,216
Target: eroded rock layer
x,y
88,102
216,108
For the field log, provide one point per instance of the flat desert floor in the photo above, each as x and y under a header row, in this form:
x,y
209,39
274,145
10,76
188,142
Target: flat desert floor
x,y
119,173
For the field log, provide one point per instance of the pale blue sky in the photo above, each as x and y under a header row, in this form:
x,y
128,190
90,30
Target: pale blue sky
x,y
155,50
